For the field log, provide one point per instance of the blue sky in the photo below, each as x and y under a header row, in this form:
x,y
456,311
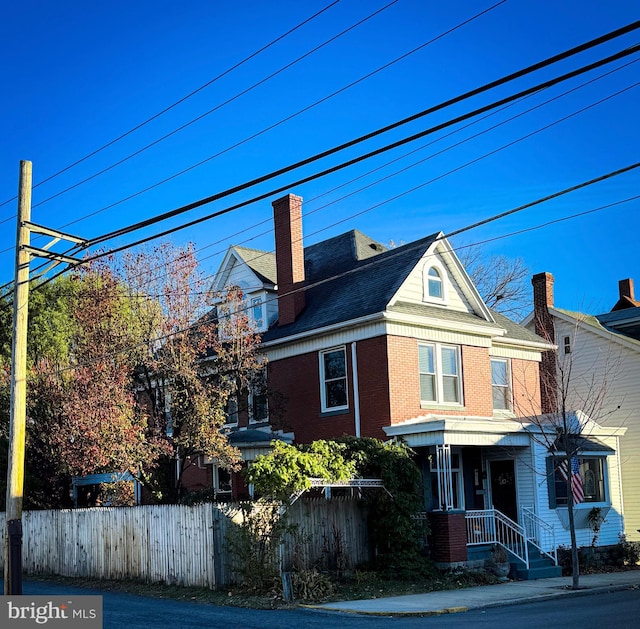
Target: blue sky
x,y
77,75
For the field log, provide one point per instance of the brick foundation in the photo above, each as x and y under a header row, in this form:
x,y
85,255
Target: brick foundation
x,y
448,536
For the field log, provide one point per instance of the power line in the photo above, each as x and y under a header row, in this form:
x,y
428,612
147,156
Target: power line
x,y
284,120
351,143
333,169
217,107
449,148
179,101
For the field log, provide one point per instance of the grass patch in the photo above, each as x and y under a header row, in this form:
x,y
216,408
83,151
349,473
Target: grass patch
x,y
363,584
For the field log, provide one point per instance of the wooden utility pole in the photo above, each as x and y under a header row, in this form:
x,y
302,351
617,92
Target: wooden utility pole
x,y
15,469
15,473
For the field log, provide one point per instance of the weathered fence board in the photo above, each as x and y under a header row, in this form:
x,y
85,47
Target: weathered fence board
x,y
178,544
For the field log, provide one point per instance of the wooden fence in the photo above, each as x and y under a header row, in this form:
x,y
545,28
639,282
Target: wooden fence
x,y
178,544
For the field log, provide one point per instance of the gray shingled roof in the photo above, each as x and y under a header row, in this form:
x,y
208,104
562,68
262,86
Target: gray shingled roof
x,y
356,276
360,288
262,263
515,330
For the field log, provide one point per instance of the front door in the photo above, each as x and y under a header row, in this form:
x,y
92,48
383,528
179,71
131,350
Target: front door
x,y
503,488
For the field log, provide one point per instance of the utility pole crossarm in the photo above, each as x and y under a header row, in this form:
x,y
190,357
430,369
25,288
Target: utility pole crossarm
x,y
54,233
50,255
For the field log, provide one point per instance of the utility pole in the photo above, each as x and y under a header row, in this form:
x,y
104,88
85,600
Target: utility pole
x,y
15,469
15,480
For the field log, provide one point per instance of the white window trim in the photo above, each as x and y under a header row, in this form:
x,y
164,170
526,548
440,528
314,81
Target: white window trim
x,y
259,325
439,375
509,408
216,481
323,393
434,264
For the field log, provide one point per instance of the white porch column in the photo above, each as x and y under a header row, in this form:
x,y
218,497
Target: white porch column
x,y
445,477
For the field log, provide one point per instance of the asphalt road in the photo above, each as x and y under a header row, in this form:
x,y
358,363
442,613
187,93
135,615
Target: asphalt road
x,y
619,610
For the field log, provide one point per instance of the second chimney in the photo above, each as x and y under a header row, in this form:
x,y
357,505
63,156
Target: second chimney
x,y
287,220
543,322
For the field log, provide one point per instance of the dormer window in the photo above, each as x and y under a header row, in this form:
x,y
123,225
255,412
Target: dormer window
x,y
434,283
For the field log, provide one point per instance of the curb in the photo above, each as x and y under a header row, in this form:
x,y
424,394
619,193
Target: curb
x,y
601,589
416,614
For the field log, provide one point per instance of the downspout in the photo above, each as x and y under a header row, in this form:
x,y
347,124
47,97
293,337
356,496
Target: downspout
x,y
356,393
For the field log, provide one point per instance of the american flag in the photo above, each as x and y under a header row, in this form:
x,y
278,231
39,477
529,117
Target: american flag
x,y
577,490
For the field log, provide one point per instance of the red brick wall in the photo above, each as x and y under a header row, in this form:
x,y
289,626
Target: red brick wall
x,y
195,477
526,387
373,381
389,388
297,380
448,537
476,374
404,381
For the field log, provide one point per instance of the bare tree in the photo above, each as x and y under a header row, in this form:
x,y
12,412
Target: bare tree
x,y
501,281
573,399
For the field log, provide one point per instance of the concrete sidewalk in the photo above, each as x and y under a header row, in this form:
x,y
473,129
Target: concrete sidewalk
x,y
509,593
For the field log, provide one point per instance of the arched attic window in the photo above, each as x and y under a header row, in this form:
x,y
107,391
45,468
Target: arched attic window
x,y
434,283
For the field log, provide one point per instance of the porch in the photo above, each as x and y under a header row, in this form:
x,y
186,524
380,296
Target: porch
x,y
473,501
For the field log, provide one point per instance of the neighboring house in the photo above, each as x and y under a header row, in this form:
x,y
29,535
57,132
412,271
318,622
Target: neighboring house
x,y
603,352
397,343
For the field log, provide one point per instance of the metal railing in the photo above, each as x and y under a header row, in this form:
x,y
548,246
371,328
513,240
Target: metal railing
x,y
490,526
540,534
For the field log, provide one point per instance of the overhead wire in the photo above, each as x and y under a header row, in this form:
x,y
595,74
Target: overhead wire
x,y
335,168
282,120
179,101
451,171
479,90
431,156
217,107
476,112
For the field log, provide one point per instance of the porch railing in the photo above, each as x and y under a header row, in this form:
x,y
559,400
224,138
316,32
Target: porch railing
x,y
540,534
490,526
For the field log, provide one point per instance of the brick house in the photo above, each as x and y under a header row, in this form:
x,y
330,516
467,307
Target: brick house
x,y
397,343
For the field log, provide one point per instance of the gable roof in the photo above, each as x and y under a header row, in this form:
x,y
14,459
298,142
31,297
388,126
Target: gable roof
x,y
262,263
356,287
592,322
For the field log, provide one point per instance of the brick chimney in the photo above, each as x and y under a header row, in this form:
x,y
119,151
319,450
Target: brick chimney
x,y
543,321
627,298
287,220
625,287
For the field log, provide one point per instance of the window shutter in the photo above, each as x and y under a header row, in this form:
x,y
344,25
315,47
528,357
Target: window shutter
x,y
551,481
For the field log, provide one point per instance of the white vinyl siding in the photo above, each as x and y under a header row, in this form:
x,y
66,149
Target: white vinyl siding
x,y
413,288
621,404
439,368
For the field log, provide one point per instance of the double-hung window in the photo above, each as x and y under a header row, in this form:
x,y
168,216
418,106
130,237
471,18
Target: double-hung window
x,y
501,384
259,406
439,367
333,379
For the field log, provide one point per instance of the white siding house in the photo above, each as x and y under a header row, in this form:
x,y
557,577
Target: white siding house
x,y
604,382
